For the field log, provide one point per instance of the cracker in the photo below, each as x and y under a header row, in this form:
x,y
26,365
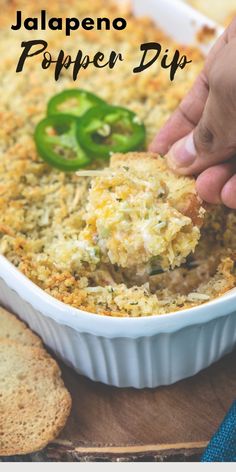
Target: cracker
x,y
34,403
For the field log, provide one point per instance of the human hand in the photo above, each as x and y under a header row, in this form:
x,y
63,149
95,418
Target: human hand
x,y
200,136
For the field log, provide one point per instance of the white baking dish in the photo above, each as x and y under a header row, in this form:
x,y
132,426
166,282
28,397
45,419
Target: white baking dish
x,y
137,352
179,20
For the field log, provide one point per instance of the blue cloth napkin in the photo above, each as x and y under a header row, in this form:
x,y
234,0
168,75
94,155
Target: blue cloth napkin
x,y
222,447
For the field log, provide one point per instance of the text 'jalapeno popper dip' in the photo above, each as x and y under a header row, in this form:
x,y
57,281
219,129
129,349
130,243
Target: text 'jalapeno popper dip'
x,y
86,213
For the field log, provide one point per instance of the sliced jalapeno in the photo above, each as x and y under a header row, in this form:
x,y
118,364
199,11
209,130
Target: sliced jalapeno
x,y
107,129
56,142
73,102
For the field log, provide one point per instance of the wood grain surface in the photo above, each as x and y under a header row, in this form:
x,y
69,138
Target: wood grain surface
x,y
163,424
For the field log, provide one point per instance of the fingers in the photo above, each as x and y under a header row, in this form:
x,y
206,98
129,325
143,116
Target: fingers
x,y
184,119
212,184
200,137
213,140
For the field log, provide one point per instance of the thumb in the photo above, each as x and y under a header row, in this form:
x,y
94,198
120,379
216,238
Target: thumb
x,y
212,141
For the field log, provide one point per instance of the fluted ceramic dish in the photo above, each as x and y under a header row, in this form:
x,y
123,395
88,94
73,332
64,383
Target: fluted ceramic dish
x,y
138,352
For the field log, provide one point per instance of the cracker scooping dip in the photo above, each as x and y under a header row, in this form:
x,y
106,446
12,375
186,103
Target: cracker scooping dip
x,y
140,215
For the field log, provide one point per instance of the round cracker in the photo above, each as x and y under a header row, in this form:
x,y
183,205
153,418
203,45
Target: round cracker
x,y
34,403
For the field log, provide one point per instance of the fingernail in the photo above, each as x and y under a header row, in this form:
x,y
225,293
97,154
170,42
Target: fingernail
x,y
183,153
157,147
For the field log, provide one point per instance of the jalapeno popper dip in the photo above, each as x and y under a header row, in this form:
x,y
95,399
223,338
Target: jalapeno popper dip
x,y
44,210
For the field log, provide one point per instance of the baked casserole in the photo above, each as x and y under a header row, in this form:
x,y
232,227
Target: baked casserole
x,y
44,211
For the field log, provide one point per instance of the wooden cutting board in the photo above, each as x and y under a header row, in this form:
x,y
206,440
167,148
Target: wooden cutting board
x,y
163,424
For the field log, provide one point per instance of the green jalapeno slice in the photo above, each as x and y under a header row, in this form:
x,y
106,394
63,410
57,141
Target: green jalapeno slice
x,y
104,130
56,142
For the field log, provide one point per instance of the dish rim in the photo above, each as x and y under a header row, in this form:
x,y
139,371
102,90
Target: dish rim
x,y
113,326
